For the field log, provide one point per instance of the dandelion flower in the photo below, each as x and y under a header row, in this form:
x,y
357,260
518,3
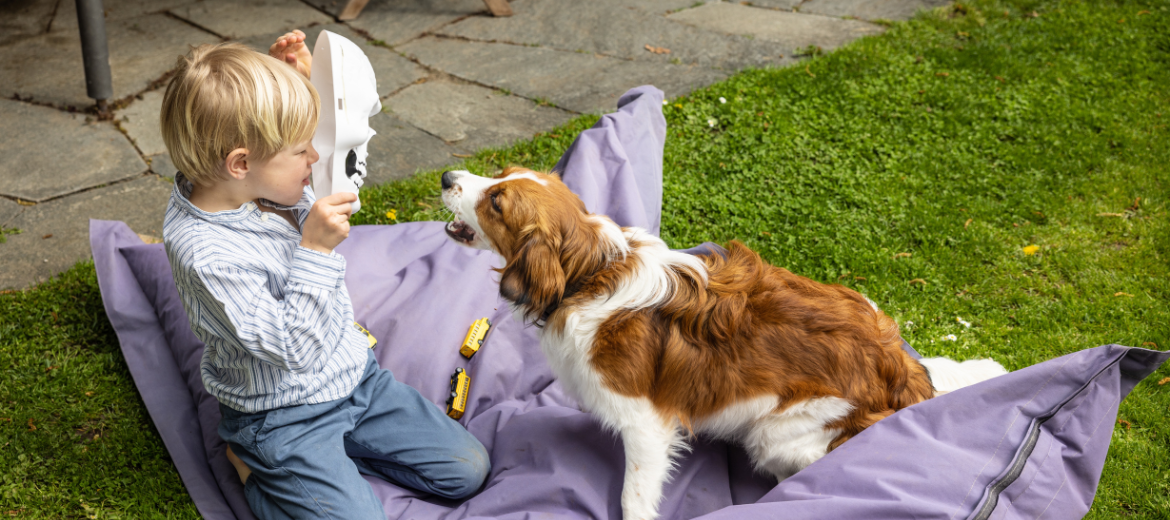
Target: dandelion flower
x,y
722,100
392,214
711,122
676,105
950,337
1031,250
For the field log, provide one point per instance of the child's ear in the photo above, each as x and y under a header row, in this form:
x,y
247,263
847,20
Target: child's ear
x,y
236,163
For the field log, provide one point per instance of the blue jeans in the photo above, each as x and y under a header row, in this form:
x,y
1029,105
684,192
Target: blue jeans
x,y
306,459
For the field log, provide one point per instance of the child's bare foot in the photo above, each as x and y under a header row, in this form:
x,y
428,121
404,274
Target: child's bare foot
x,y
292,50
241,468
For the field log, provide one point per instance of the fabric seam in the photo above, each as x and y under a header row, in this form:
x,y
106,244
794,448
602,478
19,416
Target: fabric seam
x,y
1039,423
1007,430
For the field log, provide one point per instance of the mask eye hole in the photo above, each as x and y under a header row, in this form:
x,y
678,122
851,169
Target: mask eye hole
x,y
495,203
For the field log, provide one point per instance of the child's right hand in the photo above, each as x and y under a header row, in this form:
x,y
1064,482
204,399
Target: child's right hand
x,y
292,50
328,222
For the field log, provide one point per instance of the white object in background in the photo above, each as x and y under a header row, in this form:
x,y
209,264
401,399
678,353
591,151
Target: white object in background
x,y
345,82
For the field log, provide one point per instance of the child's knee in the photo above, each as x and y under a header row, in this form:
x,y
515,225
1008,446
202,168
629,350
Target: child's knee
x,y
468,476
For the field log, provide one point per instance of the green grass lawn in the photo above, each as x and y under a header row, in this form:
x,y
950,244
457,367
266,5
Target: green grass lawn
x,y
919,167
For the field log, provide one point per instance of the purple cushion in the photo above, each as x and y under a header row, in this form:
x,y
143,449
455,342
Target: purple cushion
x,y
1031,442
1026,445
151,269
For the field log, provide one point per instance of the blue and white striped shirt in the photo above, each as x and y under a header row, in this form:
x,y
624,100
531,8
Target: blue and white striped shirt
x,y
276,317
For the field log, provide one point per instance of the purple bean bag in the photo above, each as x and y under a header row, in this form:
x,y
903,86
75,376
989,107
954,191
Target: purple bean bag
x,y
1029,444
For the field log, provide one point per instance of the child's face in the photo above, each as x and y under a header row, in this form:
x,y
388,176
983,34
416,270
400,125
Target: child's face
x,y
283,177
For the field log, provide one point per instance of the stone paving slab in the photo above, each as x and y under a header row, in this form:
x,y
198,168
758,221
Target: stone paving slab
x,y
557,76
140,121
399,21
162,165
234,19
48,68
400,150
19,20
606,27
391,69
793,30
28,258
871,9
472,116
660,7
787,5
8,211
115,10
48,153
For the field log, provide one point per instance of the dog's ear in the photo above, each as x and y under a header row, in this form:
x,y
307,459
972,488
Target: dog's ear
x,y
534,279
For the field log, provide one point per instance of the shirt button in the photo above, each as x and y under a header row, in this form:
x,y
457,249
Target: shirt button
x,y
264,217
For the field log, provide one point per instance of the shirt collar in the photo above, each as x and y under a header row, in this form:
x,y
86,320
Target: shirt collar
x,y
182,194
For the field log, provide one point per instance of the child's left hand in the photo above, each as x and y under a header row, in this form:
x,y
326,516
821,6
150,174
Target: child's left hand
x,y
292,50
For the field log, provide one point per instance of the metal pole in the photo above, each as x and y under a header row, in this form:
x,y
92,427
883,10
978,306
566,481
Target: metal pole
x,y
95,51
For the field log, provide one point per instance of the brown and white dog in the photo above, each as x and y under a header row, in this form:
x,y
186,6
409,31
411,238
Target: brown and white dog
x,y
658,344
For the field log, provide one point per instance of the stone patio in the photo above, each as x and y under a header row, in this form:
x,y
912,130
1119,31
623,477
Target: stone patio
x,y
453,79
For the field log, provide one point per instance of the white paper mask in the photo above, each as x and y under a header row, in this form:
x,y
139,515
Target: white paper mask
x,y
345,82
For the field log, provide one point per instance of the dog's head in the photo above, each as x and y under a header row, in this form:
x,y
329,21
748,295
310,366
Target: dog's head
x,y
548,240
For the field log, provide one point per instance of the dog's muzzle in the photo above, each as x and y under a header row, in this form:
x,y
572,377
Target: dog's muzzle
x,y
459,231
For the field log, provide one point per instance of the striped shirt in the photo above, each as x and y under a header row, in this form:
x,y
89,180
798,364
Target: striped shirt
x,y
275,317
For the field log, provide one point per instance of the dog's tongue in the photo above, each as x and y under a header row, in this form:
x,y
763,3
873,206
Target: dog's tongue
x,y
459,230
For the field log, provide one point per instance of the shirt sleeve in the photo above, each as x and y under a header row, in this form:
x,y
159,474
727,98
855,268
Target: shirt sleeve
x,y
296,333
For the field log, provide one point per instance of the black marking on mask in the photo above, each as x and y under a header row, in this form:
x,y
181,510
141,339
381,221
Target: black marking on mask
x,y
351,165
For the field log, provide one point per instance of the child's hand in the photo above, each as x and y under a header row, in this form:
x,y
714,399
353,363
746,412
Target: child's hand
x,y
328,222
292,50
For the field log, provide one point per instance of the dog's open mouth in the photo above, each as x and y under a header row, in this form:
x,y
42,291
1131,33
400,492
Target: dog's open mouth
x,y
460,232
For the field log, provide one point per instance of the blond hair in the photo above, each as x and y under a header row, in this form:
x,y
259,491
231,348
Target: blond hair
x,y
227,96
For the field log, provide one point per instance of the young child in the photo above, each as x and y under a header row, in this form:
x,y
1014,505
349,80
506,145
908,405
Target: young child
x,y
305,407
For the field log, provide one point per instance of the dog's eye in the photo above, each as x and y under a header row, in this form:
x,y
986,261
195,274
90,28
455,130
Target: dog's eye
x,y
495,204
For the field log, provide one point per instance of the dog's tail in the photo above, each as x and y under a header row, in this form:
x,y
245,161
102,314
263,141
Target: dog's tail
x,y
948,375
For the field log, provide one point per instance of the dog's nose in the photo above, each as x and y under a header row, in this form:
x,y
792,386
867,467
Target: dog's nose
x,y
448,180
